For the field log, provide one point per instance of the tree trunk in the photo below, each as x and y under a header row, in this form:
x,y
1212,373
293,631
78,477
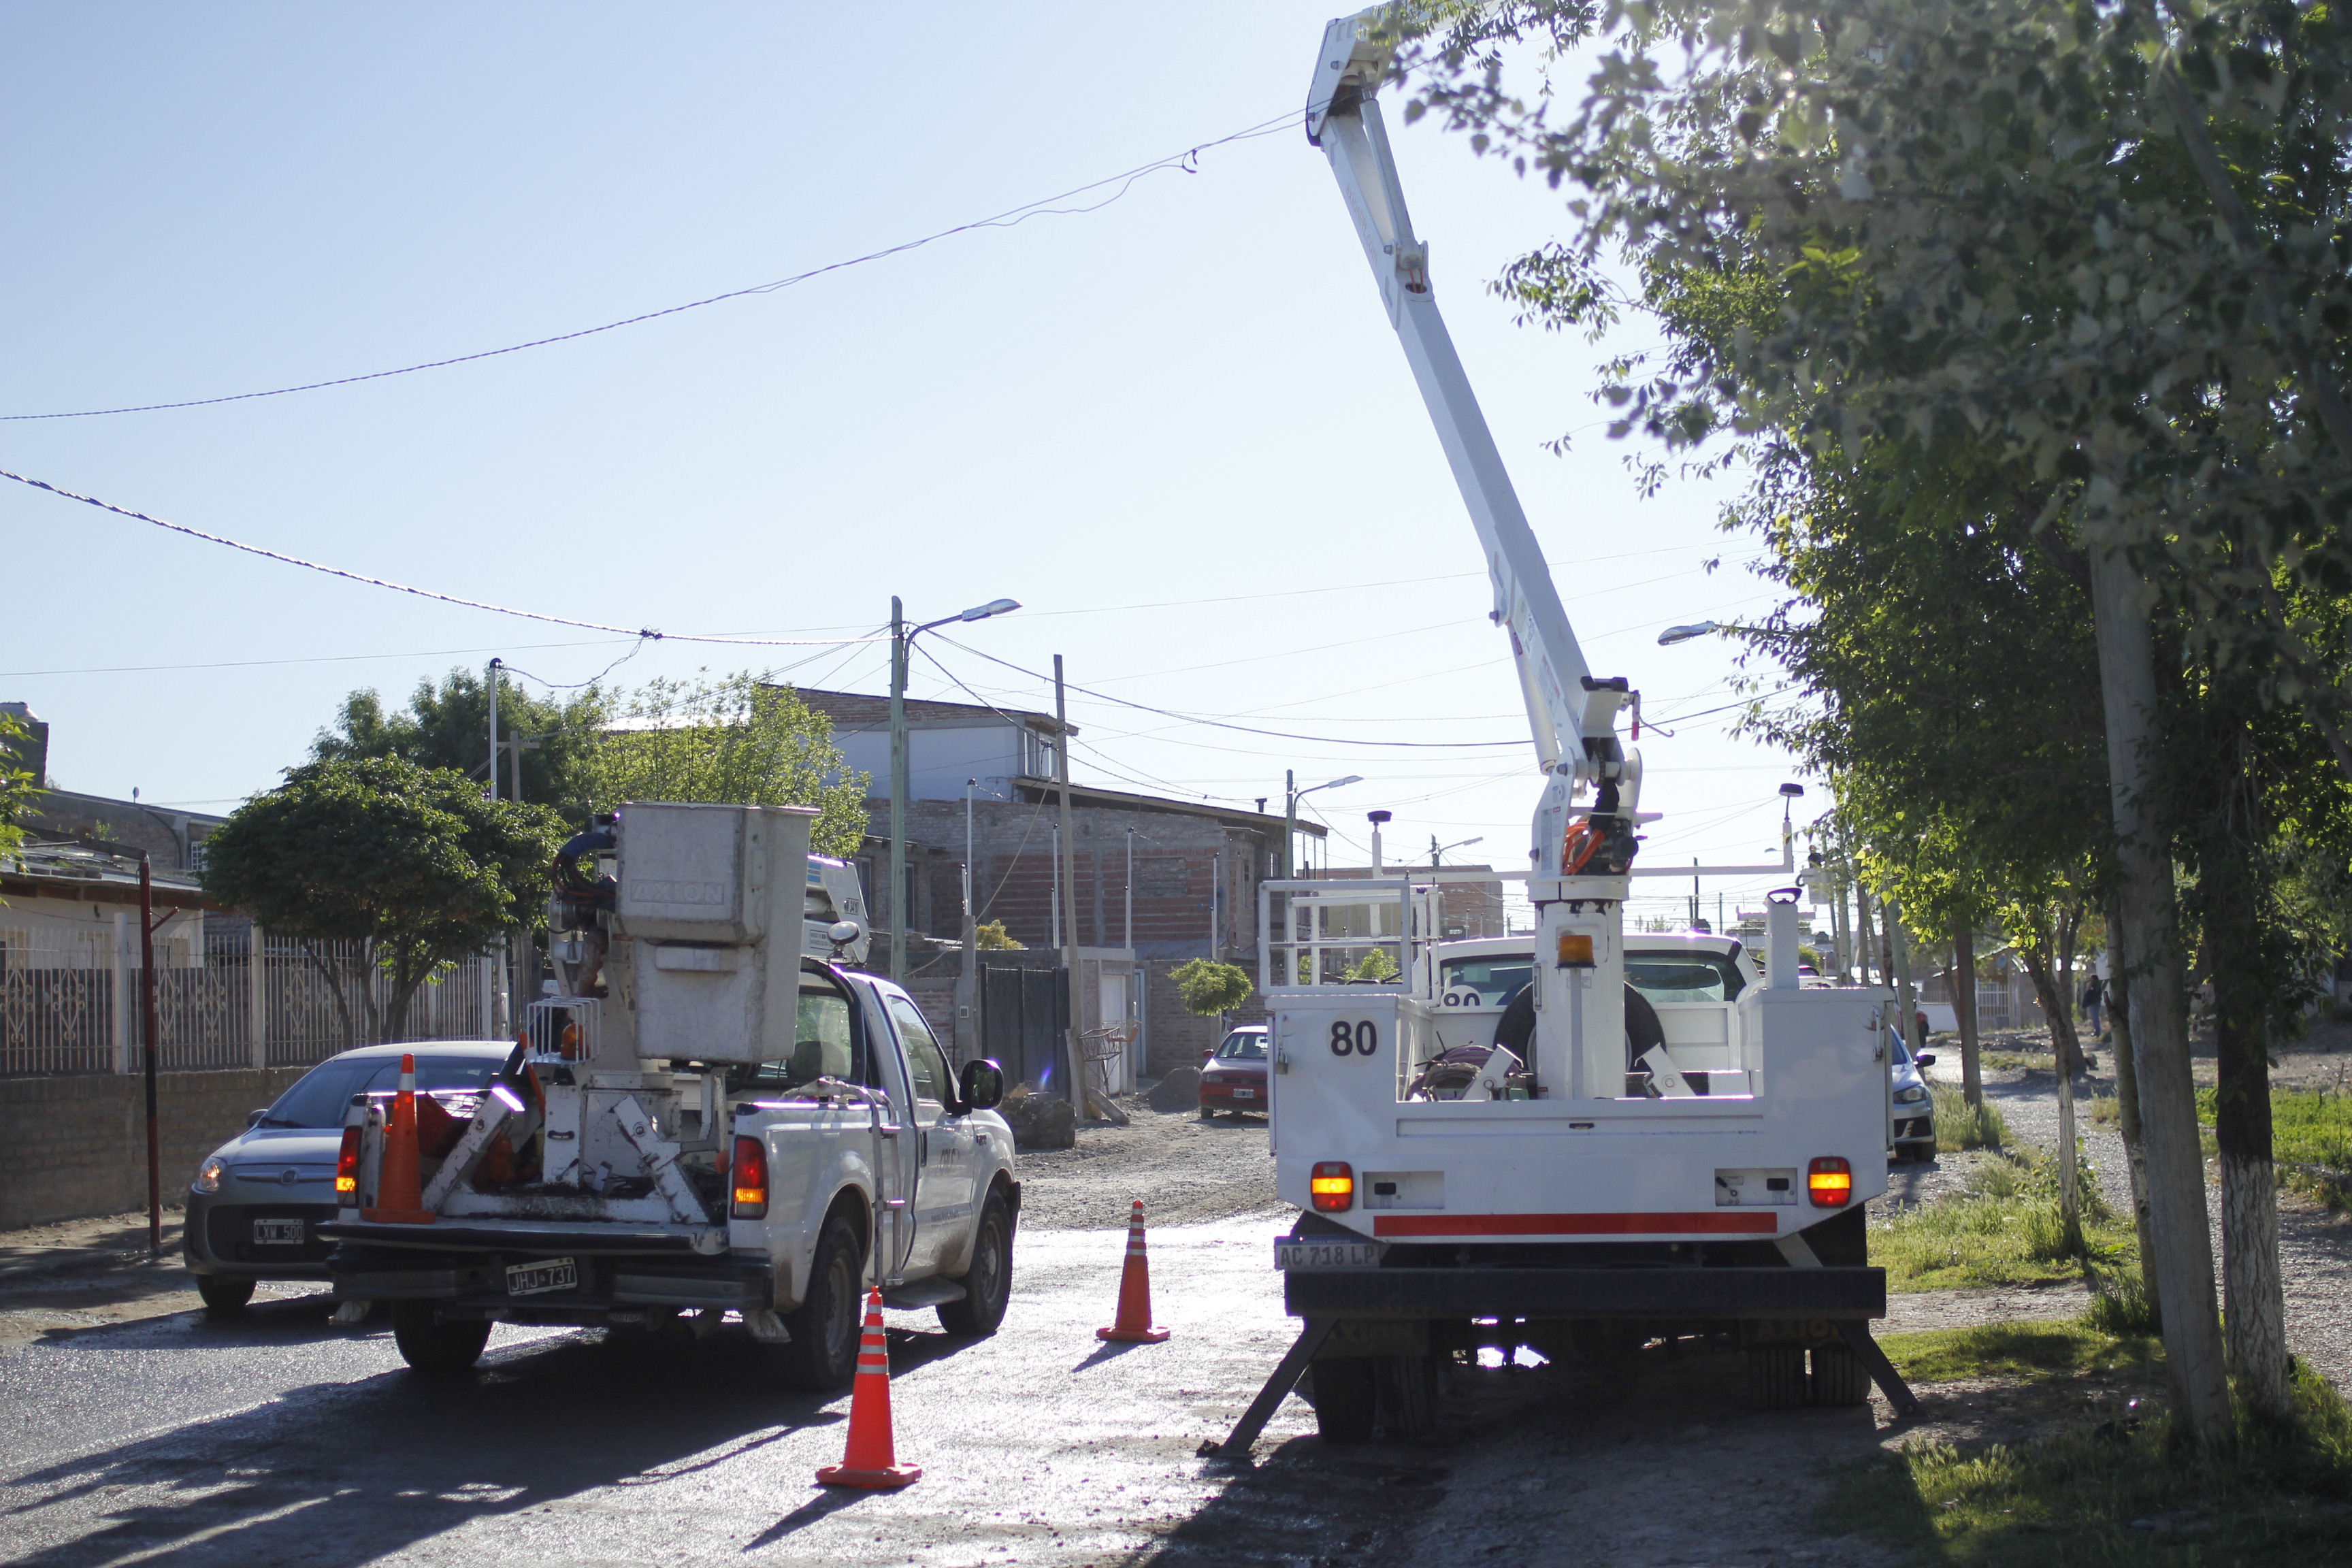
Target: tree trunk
x,y
1865,946
1964,1008
2127,1112
2147,941
2062,1038
2254,1304
334,988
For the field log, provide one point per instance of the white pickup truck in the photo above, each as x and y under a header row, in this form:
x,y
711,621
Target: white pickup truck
x,y
734,1132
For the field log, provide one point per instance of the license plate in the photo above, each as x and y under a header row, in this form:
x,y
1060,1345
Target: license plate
x,y
1308,1253
278,1232
537,1278
1244,1094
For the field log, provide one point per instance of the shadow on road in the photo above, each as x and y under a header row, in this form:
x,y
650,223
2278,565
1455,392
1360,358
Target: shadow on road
x,y
337,1472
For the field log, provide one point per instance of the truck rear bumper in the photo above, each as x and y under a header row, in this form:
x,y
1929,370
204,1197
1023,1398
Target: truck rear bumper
x,y
514,1236
1654,1294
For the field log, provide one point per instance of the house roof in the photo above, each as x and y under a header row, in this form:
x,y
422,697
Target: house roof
x,y
860,711
1045,791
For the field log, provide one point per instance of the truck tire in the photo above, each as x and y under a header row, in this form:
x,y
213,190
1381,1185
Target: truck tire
x,y
1839,1376
1776,1378
223,1296
1406,1394
988,1283
433,1347
1343,1394
822,1357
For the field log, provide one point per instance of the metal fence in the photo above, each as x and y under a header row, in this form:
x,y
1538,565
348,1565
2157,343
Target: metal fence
x,y
70,1002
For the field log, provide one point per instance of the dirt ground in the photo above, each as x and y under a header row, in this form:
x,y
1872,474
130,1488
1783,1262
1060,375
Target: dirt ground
x,y
1184,1169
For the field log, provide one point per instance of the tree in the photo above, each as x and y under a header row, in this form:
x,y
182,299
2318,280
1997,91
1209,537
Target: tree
x,y
2010,227
18,784
738,740
447,726
411,861
990,936
1211,989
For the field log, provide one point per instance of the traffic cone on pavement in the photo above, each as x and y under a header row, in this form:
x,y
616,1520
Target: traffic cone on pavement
x,y
1134,1325
399,1195
869,1462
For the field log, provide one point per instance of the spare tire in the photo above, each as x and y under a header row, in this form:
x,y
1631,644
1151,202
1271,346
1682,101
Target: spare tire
x,y
1516,1028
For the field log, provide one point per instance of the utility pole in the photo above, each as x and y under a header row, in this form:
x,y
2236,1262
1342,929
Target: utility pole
x,y
1290,818
897,790
1065,875
502,961
147,1015
1128,931
968,983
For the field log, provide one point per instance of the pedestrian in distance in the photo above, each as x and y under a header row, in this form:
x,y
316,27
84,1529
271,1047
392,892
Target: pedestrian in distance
x,y
2094,998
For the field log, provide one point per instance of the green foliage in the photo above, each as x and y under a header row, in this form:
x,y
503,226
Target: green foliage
x,y
1377,965
2311,1140
2005,1228
990,936
737,740
1807,953
2274,1499
2033,1348
1210,988
2121,1305
1959,1125
379,850
18,785
447,726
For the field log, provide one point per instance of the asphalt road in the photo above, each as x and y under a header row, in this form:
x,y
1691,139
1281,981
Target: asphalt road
x,y
281,1437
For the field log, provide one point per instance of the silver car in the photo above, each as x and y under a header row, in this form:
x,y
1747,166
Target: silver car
x,y
256,1201
1911,1127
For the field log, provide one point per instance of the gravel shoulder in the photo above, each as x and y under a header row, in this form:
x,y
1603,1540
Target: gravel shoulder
x,y
1186,1170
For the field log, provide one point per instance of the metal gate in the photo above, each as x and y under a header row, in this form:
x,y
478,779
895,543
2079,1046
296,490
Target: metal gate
x,y
1024,1015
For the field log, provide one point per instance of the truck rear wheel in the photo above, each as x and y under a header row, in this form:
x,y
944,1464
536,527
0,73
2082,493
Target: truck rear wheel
x,y
431,1346
1343,1395
1776,1378
822,1354
1838,1377
988,1283
1405,1391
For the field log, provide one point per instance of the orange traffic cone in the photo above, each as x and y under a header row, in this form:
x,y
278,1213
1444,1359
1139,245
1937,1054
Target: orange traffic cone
x,y
869,1462
399,1195
1134,1323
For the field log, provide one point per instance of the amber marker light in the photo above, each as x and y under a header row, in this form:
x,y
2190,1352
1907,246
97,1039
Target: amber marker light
x,y
1334,1186
1575,949
1829,1182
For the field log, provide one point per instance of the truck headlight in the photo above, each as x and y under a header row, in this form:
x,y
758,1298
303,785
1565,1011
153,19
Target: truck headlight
x,y
1910,1094
208,1176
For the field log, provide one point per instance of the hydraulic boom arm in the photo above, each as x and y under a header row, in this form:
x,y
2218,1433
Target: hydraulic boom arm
x,y
1572,716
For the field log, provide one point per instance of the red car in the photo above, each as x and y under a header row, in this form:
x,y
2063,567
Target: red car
x,y
1234,1077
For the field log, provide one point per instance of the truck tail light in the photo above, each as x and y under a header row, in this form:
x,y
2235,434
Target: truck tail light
x,y
1829,1182
347,1166
1334,1186
750,1179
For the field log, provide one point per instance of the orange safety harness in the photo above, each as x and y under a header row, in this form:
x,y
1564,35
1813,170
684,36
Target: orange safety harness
x,y
1581,844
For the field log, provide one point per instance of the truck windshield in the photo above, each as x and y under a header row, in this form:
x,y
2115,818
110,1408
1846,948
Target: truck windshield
x,y
824,1046
1493,980
1684,977
321,1096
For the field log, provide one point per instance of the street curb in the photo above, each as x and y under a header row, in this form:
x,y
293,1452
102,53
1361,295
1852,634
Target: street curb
x,y
77,1260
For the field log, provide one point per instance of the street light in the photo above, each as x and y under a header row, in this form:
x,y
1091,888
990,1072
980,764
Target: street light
x,y
1435,851
902,638
1291,795
1674,635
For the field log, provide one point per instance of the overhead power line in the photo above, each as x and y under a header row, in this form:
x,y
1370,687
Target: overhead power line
x,y
646,633
1188,161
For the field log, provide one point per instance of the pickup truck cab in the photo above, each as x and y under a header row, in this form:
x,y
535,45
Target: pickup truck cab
x,y
650,1195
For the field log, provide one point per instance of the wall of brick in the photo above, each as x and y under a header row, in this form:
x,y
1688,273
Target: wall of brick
x,y
77,1146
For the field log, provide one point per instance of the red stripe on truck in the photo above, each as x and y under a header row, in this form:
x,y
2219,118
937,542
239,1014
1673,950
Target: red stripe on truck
x,y
1717,1223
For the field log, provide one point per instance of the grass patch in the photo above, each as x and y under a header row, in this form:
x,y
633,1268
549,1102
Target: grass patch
x,y
2120,1493
2311,1140
1959,1125
2107,1111
2004,1230
2061,1348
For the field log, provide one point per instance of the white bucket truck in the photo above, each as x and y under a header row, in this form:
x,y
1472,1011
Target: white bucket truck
x,y
1587,1184
732,1133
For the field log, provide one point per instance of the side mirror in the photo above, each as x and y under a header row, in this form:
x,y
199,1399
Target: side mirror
x,y
253,1118
1924,1060
981,1086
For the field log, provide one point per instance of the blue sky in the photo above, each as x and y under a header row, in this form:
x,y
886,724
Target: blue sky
x,y
1190,395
